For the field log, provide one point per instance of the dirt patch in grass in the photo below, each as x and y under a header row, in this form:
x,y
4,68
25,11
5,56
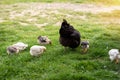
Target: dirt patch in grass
x,y
75,7
41,25
1,20
33,12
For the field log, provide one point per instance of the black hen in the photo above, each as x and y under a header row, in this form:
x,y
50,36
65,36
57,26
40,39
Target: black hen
x,y
69,37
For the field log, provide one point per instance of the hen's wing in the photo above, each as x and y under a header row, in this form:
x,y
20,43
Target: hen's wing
x,y
75,35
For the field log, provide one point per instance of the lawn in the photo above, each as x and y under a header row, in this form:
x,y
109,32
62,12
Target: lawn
x,y
23,22
108,2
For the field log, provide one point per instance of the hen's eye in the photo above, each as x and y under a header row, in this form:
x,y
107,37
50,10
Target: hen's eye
x,y
66,26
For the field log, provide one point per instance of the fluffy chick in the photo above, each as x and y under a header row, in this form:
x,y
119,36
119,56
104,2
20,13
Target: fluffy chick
x,y
37,50
114,54
43,40
85,46
15,48
20,45
12,50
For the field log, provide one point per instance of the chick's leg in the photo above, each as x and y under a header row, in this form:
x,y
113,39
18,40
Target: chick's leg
x,y
116,60
84,50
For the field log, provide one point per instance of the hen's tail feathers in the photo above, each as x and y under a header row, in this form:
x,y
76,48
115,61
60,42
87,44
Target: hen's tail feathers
x,y
64,22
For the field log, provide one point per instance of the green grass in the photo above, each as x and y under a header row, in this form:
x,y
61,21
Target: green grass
x,y
56,63
106,2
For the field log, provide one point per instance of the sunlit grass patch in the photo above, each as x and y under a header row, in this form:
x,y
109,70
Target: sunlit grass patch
x,y
106,2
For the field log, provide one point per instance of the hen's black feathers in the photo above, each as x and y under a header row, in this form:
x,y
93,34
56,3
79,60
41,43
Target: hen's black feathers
x,y
69,37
